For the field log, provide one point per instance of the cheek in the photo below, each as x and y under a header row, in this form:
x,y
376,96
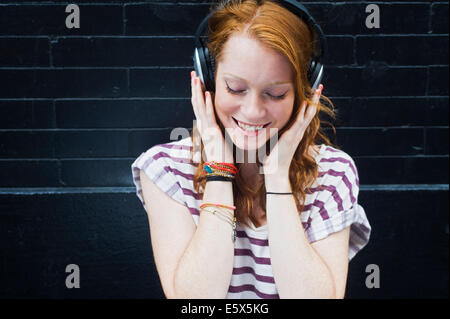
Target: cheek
x,y
283,112
225,104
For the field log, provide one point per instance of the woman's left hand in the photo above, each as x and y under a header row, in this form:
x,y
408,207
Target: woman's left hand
x,y
276,165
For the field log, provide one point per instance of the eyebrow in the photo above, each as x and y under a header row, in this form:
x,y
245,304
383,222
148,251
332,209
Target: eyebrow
x,y
273,83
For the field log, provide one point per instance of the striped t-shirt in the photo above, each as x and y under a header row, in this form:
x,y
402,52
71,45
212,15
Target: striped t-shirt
x,y
327,210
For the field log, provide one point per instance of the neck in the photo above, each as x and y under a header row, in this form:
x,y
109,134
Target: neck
x,y
250,158
250,172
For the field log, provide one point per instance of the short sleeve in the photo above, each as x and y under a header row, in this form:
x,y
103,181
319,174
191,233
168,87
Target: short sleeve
x,y
334,204
156,165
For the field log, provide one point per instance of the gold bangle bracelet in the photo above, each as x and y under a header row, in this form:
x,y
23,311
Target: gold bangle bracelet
x,y
227,220
224,210
218,214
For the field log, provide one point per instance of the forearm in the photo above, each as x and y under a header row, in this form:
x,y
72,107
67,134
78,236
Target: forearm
x,y
298,270
206,267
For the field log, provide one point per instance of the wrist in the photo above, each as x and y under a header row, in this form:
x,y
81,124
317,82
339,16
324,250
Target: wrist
x,y
277,183
220,158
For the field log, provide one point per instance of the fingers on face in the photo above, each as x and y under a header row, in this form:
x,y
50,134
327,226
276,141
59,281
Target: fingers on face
x,y
202,102
308,111
198,101
311,110
208,102
194,96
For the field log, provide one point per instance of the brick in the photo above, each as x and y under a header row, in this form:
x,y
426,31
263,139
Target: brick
x,y
29,173
439,18
63,83
117,261
162,82
91,143
403,170
375,79
48,19
436,140
164,19
84,122
430,50
102,253
26,114
15,114
27,144
392,111
394,216
43,114
109,52
154,113
381,141
349,18
340,51
96,172
25,52
438,82
142,140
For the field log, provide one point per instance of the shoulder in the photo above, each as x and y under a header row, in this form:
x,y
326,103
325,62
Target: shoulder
x,y
335,164
332,202
336,188
173,154
178,151
170,168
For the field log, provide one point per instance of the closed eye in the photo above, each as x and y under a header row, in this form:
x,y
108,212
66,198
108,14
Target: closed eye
x,y
233,91
239,92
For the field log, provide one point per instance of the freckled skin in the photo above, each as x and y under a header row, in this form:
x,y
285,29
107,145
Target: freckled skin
x,y
258,67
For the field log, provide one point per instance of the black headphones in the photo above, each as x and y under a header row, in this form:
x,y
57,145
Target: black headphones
x,y
204,63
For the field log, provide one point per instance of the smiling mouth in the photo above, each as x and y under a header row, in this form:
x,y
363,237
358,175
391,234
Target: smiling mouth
x,y
250,127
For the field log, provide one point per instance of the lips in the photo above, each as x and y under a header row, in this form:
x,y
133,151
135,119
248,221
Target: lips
x,y
264,126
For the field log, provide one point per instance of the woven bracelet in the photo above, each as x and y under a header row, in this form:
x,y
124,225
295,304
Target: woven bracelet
x,y
219,178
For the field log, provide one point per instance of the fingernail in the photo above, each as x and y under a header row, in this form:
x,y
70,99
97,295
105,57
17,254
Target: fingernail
x,y
196,80
320,88
192,74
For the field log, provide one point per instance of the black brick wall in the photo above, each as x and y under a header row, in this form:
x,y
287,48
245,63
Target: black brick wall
x,y
77,106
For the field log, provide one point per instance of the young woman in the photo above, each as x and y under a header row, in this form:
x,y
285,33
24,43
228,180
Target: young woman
x,y
285,226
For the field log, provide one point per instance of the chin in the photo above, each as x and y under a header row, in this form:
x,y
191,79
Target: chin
x,y
250,144
251,147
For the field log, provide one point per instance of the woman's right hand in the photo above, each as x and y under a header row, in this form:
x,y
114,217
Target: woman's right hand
x,y
210,133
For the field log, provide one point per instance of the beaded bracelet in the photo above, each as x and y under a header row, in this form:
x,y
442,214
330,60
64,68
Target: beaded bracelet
x,y
220,174
227,165
222,168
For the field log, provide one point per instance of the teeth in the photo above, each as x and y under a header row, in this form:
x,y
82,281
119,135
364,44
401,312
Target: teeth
x,y
250,128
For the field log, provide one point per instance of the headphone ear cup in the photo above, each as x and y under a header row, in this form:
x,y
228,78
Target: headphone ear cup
x,y
212,68
200,63
209,72
315,73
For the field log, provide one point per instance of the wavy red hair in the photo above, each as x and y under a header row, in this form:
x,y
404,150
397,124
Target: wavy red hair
x,y
281,30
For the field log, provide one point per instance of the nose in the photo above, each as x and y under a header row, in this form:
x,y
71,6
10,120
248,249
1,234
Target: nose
x,y
253,108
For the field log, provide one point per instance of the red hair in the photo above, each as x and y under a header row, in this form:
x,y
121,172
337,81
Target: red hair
x,y
281,30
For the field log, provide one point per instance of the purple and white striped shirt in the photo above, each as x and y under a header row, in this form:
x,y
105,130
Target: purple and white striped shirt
x,y
327,210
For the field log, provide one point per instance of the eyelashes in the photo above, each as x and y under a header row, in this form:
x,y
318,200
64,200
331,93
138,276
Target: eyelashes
x,y
233,91
280,97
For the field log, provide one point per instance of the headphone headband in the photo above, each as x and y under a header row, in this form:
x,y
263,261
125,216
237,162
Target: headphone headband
x,y
204,62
